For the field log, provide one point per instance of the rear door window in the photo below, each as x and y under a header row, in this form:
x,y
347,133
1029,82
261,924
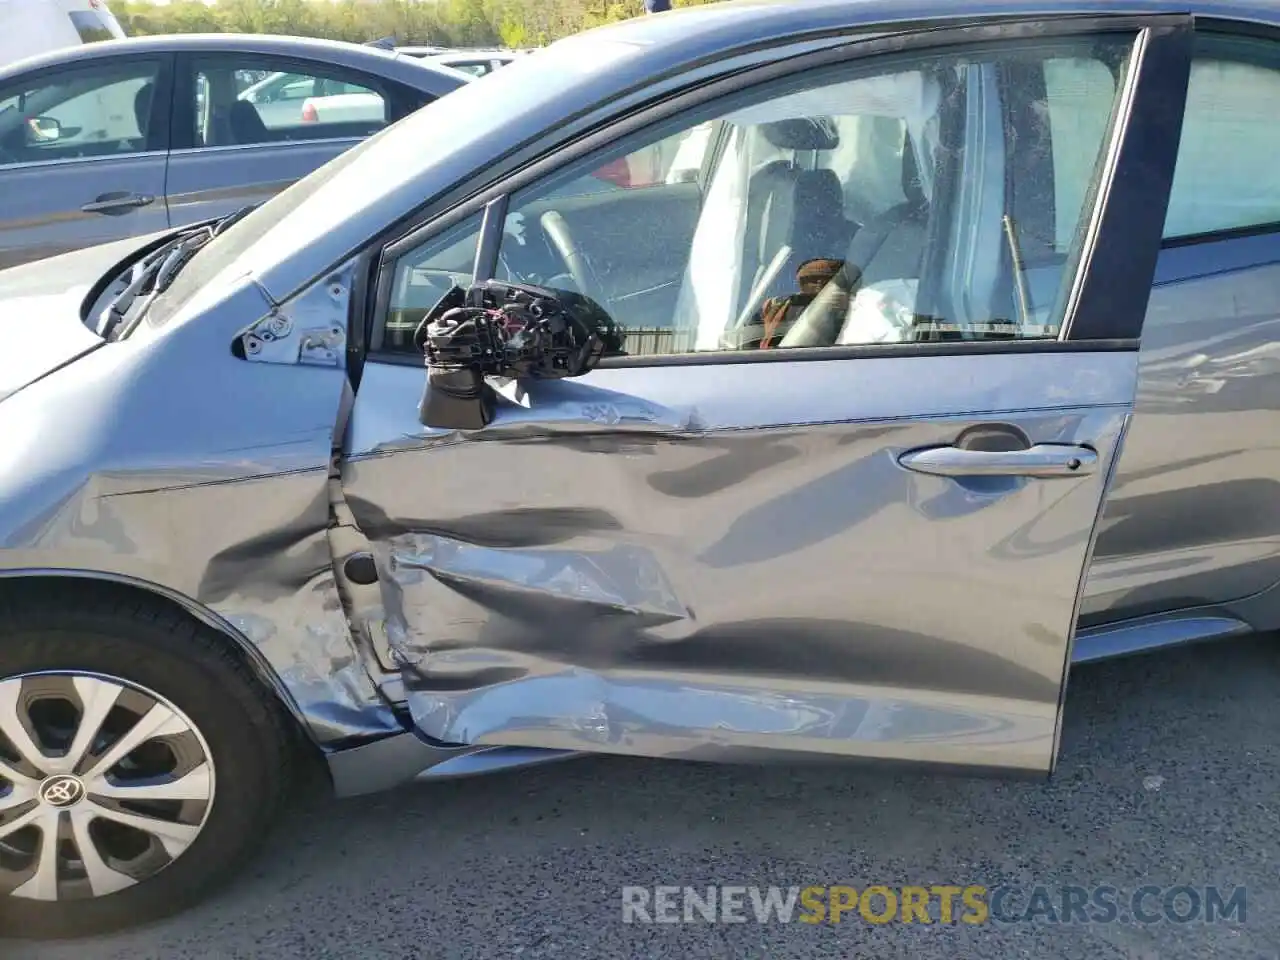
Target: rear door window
x,y
1227,176
242,100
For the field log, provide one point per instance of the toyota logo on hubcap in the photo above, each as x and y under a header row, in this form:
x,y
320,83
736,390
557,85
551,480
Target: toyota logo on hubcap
x,y
61,791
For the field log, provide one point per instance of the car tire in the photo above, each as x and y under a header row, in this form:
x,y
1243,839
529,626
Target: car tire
x,y
213,756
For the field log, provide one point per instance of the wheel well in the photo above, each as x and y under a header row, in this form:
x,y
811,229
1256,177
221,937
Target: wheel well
x,y
24,589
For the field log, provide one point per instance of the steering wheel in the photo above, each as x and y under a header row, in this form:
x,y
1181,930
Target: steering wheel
x,y
557,230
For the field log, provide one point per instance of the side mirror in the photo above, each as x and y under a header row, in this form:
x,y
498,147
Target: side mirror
x,y
42,130
510,331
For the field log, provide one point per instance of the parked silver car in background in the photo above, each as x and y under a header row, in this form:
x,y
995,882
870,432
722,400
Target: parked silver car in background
x,y
948,361
127,137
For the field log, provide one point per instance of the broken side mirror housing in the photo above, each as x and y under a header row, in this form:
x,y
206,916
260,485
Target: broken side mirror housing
x,y
515,331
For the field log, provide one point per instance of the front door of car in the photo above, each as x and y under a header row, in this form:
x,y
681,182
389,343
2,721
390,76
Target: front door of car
x,y
847,507
83,152
238,141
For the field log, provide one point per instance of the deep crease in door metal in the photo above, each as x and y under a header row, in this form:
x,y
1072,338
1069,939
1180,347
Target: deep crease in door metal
x,y
604,571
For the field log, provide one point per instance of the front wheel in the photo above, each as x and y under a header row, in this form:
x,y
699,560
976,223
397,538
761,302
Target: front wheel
x,y
140,763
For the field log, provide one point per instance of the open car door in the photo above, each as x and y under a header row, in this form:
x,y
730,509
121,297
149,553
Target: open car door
x,y
863,534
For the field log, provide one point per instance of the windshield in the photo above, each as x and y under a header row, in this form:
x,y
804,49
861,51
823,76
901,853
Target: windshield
x,y
367,175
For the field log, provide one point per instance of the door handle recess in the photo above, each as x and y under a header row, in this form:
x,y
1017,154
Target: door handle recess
x,y
118,202
1043,461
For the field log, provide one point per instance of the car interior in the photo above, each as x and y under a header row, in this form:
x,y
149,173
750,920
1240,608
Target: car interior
x,y
891,187
95,116
225,118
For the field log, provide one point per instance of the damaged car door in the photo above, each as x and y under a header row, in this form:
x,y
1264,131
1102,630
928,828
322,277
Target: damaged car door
x,y
848,508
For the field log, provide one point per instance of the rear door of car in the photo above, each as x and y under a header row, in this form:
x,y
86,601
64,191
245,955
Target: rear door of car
x,y
95,170
867,540
222,162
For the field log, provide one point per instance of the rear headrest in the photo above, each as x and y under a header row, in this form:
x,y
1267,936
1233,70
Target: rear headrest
x,y
804,133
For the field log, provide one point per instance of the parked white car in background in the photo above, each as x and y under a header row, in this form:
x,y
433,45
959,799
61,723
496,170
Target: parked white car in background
x,y
39,26
336,102
345,107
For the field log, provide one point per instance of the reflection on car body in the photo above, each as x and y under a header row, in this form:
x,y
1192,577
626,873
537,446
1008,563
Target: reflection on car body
x,y
944,367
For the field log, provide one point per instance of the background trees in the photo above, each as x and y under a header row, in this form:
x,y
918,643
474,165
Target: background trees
x,y
512,23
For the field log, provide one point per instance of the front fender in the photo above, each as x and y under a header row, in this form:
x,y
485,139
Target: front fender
x,y
164,460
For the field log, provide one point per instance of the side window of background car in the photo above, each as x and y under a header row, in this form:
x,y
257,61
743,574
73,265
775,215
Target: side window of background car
x,y
863,203
238,103
1228,176
90,112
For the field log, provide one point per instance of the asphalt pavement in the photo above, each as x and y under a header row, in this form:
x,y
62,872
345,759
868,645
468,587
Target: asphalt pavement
x,y
1169,777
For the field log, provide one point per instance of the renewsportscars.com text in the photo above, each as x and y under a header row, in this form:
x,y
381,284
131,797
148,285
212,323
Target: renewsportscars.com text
x,y
972,904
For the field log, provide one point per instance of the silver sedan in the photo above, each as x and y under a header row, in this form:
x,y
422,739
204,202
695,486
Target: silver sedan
x,y
761,380
126,137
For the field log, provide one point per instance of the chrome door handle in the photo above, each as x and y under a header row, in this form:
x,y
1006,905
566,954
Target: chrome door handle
x,y
118,202
1043,461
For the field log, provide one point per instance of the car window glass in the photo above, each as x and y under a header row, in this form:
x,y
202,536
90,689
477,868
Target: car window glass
x,y
89,112
1079,94
425,276
672,159
1227,175
241,102
855,205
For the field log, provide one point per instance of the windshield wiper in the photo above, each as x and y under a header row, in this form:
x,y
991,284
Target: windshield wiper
x,y
221,225
151,276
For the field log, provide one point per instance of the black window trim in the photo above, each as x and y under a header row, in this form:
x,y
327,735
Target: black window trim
x,y
1164,63
184,87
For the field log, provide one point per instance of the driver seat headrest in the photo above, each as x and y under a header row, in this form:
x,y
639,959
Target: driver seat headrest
x,y
802,133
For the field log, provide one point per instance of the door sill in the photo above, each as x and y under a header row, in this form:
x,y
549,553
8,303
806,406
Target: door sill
x,y
1132,637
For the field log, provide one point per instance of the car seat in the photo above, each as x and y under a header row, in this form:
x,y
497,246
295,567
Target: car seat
x,y
142,109
246,125
781,199
890,246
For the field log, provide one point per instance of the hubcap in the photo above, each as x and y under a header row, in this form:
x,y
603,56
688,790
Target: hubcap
x,y
103,784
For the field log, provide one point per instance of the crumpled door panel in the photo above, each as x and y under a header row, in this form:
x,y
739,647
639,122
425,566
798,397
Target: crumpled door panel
x,y
656,562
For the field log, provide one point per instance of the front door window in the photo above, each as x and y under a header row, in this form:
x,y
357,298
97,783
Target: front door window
x,y
933,197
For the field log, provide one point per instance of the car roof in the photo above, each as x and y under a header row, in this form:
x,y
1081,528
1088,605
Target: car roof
x,y
385,63
719,25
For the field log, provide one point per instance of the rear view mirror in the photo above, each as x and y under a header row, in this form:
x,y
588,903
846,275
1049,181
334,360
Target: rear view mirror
x,y
42,130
